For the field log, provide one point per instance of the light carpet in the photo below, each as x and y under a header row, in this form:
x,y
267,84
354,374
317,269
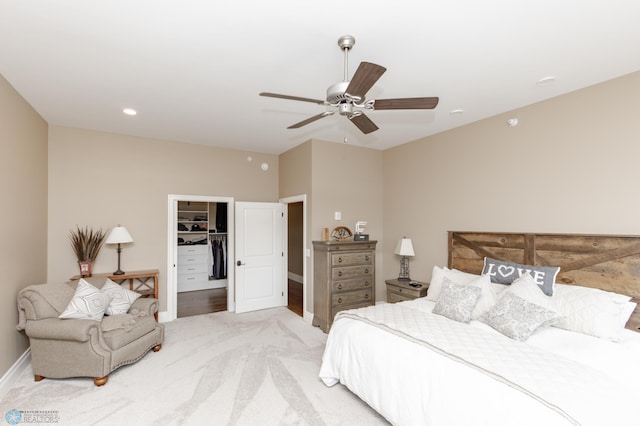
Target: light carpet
x,y
257,368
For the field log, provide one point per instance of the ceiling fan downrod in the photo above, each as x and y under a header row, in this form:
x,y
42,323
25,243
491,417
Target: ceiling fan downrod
x,y
346,42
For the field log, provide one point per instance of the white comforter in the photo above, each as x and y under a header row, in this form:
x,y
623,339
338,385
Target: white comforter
x,y
434,371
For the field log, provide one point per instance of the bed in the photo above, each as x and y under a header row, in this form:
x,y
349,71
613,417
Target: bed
x,y
419,368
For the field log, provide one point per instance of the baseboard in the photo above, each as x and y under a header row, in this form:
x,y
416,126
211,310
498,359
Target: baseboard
x,y
12,374
308,317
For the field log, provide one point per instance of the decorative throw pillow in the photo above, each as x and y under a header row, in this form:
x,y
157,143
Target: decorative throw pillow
x,y
517,318
502,272
121,298
87,303
457,301
438,274
591,311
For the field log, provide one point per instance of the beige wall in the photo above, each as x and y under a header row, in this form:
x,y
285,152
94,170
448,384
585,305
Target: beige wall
x,y
347,179
102,180
23,218
335,177
570,166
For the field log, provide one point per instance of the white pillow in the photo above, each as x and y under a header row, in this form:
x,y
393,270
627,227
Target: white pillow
x,y
87,303
121,298
527,288
591,311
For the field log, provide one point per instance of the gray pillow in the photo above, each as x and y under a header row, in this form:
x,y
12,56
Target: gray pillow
x,y
502,272
457,301
516,318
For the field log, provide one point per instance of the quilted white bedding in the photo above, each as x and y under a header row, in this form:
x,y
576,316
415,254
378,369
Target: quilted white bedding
x,y
417,368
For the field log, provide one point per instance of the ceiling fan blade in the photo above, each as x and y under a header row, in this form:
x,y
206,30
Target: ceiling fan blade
x,y
310,120
292,98
363,123
365,77
405,103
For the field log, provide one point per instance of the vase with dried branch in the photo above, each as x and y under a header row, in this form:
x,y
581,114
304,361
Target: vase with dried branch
x,y
86,243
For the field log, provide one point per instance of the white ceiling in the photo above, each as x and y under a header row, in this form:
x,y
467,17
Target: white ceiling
x,y
193,68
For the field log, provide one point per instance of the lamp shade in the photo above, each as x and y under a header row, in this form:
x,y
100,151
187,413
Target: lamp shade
x,y
404,247
119,235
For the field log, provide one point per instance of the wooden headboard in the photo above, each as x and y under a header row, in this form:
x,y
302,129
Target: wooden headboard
x,y
607,262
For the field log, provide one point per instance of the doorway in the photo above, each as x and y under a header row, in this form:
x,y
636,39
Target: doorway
x,y
196,298
295,260
297,254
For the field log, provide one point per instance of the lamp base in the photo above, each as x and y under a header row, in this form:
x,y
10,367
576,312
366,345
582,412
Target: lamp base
x,y
118,272
404,279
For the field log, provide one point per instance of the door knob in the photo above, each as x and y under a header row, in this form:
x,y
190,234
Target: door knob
x,y
239,263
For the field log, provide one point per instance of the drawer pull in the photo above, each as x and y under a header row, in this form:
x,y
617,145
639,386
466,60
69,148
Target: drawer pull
x,y
366,283
339,273
366,295
339,299
340,259
366,258
339,286
366,270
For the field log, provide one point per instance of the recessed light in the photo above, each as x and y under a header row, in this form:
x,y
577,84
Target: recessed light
x,y
546,81
456,112
130,111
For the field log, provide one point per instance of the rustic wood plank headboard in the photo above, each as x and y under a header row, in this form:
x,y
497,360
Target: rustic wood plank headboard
x,y
607,262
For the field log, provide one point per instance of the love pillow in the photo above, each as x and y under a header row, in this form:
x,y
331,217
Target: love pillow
x,y
502,272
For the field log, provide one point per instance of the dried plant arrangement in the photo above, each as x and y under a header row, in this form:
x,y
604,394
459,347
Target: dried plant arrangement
x,y
87,243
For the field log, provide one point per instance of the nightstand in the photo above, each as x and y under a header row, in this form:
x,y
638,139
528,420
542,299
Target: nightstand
x,y
398,291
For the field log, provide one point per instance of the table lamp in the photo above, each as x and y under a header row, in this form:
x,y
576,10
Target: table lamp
x,y
119,235
404,248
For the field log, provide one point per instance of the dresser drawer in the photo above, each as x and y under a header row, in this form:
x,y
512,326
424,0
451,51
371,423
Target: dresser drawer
x,y
338,308
353,284
192,259
193,269
193,249
351,298
192,277
348,259
397,297
345,272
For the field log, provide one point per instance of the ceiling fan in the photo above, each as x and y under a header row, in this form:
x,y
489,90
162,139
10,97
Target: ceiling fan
x,y
349,96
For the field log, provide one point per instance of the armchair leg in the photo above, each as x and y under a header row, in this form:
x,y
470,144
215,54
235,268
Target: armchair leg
x,y
99,381
156,348
37,378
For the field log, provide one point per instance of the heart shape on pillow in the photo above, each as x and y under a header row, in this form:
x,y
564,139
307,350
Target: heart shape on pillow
x,y
506,271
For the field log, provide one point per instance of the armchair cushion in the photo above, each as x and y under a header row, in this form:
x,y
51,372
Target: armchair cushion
x,y
120,330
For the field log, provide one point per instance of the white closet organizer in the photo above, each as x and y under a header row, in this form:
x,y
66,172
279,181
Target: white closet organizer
x,y
195,256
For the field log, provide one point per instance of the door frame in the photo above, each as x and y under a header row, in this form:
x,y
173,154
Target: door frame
x,y
172,251
307,252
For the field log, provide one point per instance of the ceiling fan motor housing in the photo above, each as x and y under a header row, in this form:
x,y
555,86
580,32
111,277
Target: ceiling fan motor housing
x,y
336,93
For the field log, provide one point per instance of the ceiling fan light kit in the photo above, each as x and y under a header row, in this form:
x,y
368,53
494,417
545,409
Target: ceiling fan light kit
x,y
348,96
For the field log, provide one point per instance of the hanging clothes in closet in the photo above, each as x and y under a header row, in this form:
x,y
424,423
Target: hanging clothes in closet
x,y
218,258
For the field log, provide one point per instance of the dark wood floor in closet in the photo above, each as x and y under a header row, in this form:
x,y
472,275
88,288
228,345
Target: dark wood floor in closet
x,y
215,300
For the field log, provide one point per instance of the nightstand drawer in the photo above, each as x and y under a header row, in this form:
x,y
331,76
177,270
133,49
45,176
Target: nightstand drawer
x,y
353,284
351,298
348,259
345,272
397,297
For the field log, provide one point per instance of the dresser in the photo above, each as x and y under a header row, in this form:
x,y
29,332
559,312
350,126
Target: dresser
x,y
193,267
343,278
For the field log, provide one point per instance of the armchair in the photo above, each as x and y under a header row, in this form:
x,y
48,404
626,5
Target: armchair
x,y
62,348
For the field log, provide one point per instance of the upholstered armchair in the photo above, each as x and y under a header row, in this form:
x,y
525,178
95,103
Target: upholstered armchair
x,y
71,347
